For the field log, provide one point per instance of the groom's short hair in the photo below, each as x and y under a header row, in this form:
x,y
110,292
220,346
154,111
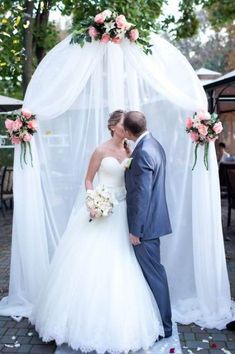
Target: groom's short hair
x,y
135,122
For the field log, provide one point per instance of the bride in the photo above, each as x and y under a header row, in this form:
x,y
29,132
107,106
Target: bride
x,y
96,297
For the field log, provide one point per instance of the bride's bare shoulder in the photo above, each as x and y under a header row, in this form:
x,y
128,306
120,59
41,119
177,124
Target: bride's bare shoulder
x,y
101,150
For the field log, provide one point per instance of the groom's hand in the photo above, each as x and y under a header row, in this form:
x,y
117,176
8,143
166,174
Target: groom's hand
x,y
135,240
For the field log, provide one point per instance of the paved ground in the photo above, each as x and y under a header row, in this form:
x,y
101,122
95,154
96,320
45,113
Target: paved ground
x,y
21,338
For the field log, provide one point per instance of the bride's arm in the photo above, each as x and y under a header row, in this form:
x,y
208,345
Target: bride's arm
x,y
93,167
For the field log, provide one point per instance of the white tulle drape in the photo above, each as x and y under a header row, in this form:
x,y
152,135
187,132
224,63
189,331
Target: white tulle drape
x,y
72,93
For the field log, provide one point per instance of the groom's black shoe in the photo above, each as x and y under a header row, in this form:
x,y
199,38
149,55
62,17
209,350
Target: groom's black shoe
x,y
231,326
161,337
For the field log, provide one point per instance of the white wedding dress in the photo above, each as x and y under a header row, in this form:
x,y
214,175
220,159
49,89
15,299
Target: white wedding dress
x,y
96,297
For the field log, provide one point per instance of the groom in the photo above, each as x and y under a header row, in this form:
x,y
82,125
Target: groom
x,y
147,211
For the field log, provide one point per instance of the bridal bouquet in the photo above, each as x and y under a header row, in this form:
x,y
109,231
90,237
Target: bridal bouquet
x,y
105,26
100,202
203,128
20,131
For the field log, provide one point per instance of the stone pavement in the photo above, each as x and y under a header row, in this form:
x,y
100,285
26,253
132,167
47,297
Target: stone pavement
x,y
20,337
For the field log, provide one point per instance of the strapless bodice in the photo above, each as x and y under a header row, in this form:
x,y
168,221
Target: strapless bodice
x,y
111,176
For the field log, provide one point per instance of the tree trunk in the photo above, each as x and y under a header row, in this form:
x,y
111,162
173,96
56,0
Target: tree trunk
x,y
42,18
28,44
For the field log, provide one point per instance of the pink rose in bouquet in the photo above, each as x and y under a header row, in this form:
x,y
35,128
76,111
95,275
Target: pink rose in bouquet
x,y
100,18
26,113
27,137
134,34
117,40
17,124
9,124
105,38
218,127
32,124
15,140
189,123
93,33
194,136
121,21
203,130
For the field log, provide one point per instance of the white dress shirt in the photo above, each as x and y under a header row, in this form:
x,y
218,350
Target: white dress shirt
x,y
140,138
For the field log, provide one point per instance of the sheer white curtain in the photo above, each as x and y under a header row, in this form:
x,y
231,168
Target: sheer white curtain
x,y
72,93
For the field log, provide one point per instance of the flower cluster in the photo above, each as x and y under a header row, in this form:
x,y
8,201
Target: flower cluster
x,y
21,130
105,26
203,128
100,202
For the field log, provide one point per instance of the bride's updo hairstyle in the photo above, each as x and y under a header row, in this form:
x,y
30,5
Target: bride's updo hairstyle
x,y
114,119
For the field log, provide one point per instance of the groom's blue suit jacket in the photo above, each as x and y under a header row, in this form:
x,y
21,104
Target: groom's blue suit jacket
x,y
147,210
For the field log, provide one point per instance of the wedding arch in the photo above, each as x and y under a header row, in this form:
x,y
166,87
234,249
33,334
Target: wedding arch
x,y
72,93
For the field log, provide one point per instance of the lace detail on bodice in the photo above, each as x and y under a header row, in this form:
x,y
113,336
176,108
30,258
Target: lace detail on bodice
x,y
111,176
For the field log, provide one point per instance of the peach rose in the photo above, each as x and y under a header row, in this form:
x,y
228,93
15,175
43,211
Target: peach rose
x,y
203,129
100,18
194,136
189,123
15,140
117,40
134,34
218,127
32,124
105,38
17,124
27,137
9,124
121,21
93,33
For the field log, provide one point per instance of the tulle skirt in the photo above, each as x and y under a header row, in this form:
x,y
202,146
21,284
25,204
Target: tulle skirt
x,y
96,297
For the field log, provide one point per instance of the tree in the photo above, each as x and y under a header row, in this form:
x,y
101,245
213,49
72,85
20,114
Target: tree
x,y
26,33
216,52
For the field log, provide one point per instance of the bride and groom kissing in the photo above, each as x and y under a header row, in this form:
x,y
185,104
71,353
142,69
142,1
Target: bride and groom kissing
x,y
106,289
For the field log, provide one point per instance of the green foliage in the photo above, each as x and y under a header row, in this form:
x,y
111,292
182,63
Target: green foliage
x,y
141,13
213,53
11,47
144,13
13,23
221,12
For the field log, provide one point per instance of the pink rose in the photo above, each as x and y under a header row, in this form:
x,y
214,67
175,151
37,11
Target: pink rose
x,y
121,21
134,34
26,113
17,124
100,18
105,38
93,33
194,136
27,137
218,127
15,140
203,129
117,40
32,124
202,115
9,124
189,123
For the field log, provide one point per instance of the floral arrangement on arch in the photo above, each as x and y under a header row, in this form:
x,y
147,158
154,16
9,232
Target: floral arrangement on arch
x,y
20,131
203,128
107,26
